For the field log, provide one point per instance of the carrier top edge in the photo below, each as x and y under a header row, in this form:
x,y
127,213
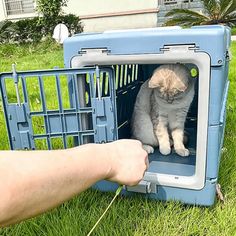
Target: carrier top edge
x,y
214,40
201,30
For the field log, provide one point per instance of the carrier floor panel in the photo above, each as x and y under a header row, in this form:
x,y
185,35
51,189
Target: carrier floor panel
x,y
174,164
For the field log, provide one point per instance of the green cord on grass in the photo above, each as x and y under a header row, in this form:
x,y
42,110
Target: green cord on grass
x,y
114,198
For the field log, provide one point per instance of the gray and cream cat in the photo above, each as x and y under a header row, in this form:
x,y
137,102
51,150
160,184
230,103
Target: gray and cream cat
x,y
161,108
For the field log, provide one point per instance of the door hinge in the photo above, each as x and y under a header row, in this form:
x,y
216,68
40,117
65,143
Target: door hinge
x,y
93,51
228,55
18,119
103,120
213,180
179,48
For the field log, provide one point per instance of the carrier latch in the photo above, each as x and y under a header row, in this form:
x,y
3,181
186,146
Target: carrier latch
x,y
228,55
103,114
179,48
93,51
18,119
142,187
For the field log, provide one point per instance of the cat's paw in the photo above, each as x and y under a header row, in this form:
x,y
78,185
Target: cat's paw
x,y
182,152
149,149
165,150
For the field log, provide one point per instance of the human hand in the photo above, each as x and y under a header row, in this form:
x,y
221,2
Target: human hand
x,y
128,161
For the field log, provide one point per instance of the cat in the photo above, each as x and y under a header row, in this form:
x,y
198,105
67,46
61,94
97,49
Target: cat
x,y
161,108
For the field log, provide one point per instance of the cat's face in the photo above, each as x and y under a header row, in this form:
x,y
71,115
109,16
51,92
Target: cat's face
x,y
170,81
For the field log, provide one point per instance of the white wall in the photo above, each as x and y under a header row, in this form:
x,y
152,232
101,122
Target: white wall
x,y
89,7
100,15
120,22
2,11
107,14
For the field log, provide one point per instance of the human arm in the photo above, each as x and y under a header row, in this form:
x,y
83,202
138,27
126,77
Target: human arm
x,y
33,182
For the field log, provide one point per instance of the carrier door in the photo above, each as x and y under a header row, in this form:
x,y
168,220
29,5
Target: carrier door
x,y
50,110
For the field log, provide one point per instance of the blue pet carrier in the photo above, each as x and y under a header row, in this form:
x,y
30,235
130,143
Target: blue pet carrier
x,y
95,96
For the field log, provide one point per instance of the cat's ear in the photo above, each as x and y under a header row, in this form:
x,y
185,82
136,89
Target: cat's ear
x,y
182,86
155,81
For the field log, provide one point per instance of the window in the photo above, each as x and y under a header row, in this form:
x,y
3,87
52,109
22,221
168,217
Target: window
x,y
15,7
170,2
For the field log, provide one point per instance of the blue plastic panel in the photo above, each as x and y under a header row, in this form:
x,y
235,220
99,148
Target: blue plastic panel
x,y
215,140
211,39
38,107
205,196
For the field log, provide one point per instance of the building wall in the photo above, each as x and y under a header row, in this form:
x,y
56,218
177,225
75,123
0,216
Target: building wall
x,y
90,7
112,14
105,14
120,22
2,11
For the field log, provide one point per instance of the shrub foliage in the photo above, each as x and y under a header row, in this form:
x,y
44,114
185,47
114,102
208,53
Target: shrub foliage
x,y
37,28
214,12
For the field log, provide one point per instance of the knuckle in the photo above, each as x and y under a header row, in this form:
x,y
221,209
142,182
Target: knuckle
x,y
138,142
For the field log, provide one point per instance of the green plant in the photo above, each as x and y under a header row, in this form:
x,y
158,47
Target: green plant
x,y
29,30
8,31
214,12
14,52
233,31
72,22
51,12
34,29
51,9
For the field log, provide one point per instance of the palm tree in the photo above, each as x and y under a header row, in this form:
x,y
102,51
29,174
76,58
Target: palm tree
x,y
214,12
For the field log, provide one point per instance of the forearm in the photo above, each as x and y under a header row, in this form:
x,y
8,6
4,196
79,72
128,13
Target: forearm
x,y
32,184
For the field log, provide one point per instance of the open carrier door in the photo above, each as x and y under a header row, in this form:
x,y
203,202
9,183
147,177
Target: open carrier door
x,y
49,109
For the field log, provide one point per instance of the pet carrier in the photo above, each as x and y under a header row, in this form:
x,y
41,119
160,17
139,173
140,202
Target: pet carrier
x,y
94,99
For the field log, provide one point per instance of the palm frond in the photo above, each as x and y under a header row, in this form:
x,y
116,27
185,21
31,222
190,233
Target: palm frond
x,y
230,20
185,17
210,6
180,11
227,7
185,20
217,12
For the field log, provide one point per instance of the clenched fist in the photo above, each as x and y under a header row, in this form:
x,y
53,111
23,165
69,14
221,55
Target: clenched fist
x,y
128,161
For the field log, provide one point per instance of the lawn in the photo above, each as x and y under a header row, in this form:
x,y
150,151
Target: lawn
x,y
128,216
233,32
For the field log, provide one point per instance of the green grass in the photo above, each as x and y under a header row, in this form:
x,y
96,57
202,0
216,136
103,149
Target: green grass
x,y
128,216
233,31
